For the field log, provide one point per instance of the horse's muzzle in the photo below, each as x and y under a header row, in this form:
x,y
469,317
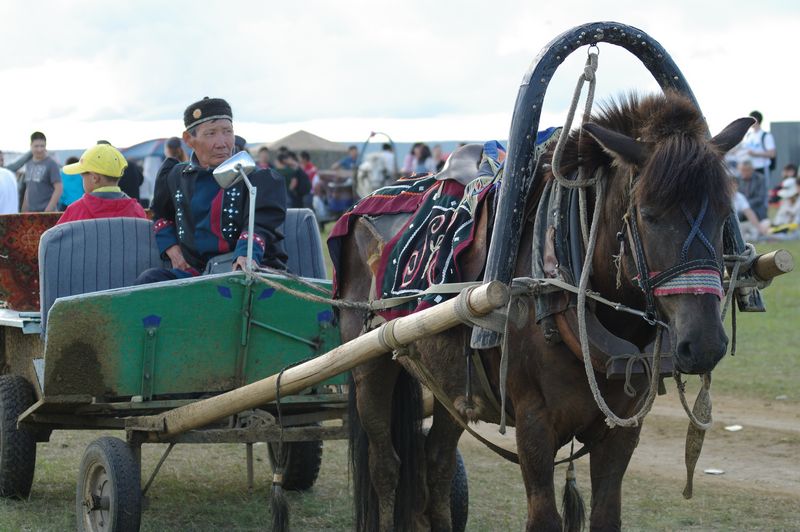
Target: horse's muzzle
x,y
701,353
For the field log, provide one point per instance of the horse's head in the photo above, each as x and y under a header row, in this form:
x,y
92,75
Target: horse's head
x,y
670,194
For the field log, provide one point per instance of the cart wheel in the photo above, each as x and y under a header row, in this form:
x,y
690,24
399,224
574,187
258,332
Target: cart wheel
x,y
17,447
302,463
109,495
459,496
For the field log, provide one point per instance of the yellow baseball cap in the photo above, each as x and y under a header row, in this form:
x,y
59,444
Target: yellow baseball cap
x,y
102,159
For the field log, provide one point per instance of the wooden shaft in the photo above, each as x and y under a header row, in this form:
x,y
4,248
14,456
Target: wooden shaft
x,y
773,264
482,300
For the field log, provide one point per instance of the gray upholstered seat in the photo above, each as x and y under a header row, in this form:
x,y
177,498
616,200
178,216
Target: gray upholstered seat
x,y
92,255
303,244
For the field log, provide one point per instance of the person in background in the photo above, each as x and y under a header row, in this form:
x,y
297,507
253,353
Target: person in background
x,y
789,209
72,188
174,154
754,187
759,146
263,158
42,178
389,161
239,144
439,157
423,161
790,170
133,178
408,162
751,226
348,162
309,168
9,194
100,168
297,183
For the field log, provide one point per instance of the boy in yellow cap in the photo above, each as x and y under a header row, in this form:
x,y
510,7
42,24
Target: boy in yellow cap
x,y
101,166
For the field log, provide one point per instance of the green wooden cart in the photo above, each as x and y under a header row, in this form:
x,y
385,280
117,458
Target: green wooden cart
x,y
102,354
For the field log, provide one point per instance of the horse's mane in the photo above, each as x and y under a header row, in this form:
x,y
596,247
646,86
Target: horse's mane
x,y
683,166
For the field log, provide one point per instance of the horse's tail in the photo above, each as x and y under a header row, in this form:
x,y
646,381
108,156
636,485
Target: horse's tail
x,y
574,513
406,429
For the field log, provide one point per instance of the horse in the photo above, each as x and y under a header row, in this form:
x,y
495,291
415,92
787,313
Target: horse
x,y
665,181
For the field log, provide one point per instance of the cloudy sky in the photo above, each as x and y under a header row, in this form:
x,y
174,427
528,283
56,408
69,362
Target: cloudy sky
x,y
444,70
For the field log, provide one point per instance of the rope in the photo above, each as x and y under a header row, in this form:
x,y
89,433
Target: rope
x,y
612,420
700,425
588,75
339,303
302,280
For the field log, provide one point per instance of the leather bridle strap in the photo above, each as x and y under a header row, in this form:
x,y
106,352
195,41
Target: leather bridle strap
x,y
689,269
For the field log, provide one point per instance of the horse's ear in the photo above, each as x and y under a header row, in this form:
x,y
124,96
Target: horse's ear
x,y
618,145
732,134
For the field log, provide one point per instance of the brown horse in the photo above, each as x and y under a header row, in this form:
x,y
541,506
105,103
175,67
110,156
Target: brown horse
x,y
664,171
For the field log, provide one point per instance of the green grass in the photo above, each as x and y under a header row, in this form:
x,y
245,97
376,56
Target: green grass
x,y
766,363
204,488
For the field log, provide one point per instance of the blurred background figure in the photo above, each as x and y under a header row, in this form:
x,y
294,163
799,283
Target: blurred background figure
x,y
263,161
9,194
239,144
298,186
439,157
131,180
754,187
349,161
309,168
423,160
42,178
408,161
759,145
72,187
751,227
174,153
788,215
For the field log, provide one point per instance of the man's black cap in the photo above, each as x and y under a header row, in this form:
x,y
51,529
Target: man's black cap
x,y
206,110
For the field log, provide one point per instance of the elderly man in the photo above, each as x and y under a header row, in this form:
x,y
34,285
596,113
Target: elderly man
x,y
196,220
754,187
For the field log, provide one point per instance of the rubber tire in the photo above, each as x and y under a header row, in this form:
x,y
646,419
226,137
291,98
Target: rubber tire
x,y
17,447
302,470
117,459
459,496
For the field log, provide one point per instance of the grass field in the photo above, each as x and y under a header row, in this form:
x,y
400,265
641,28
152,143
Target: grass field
x,y
204,487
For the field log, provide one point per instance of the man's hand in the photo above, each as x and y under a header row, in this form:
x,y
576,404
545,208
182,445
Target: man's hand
x,y
241,262
176,258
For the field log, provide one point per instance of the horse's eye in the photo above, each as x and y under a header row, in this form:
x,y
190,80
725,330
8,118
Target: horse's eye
x,y
648,216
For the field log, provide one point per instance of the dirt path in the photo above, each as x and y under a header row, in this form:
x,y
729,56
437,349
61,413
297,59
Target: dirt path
x,y
764,455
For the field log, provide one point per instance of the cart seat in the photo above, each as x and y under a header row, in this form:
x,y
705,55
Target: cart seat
x,y
91,255
303,244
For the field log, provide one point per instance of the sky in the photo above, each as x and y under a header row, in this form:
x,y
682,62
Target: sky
x,y
417,70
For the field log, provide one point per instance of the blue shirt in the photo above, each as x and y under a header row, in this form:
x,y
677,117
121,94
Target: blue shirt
x,y
347,163
73,189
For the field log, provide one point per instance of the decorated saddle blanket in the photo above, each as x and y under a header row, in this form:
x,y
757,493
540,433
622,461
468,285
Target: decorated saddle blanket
x,y
428,249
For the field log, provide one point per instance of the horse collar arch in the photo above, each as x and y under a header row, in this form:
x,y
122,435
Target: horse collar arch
x,y
523,160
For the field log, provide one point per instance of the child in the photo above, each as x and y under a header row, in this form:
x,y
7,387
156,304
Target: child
x,y
101,167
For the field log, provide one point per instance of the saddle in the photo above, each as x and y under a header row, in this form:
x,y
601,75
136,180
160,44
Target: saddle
x,y
558,252
462,165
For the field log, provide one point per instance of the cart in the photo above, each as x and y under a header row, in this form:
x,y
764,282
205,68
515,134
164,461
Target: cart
x,y
188,361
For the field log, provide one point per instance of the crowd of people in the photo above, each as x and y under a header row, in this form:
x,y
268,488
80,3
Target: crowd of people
x,y
102,183
751,164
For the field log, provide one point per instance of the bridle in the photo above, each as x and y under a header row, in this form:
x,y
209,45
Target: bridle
x,y
695,276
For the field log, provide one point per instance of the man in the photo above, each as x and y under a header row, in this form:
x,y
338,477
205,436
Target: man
x,y
196,220
9,197
297,182
101,168
263,158
754,187
71,187
759,145
348,162
387,154
42,178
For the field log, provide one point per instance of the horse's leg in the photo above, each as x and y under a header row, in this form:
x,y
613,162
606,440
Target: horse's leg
x,y
536,446
375,384
609,459
440,457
